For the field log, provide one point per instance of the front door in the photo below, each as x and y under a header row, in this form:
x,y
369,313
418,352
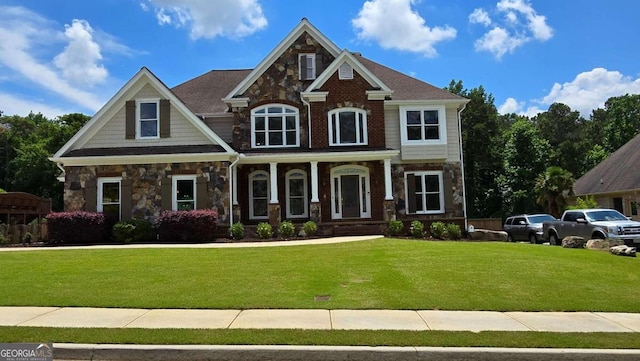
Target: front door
x,y
350,189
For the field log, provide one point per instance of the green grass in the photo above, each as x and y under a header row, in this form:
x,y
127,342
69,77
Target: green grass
x,y
378,274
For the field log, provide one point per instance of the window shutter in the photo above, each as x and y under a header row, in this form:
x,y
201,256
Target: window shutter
x,y
411,193
166,194
303,67
447,183
165,118
202,193
90,195
130,119
319,65
125,199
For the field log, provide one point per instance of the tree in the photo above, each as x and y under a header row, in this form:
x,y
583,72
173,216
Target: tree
x,y
622,121
525,156
482,144
552,187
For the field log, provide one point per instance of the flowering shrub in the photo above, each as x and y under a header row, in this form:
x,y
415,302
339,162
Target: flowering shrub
x,y
286,229
438,230
76,227
310,228
453,231
187,226
417,229
264,230
237,230
395,227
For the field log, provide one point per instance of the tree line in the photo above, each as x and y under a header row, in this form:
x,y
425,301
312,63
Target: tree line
x,y
513,163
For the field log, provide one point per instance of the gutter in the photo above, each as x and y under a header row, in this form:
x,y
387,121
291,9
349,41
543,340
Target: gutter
x,y
231,199
464,188
308,118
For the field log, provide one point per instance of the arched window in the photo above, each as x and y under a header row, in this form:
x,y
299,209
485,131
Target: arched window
x,y
275,126
259,195
347,126
296,190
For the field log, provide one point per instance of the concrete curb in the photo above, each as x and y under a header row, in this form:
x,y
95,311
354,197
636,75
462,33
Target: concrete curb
x,y
80,352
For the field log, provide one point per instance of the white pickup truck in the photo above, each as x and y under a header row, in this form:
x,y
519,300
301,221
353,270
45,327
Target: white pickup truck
x,y
592,224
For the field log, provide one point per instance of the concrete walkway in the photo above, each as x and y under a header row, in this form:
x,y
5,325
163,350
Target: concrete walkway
x,y
318,319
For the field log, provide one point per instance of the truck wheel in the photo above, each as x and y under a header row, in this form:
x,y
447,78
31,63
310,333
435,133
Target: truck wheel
x,y
553,239
533,239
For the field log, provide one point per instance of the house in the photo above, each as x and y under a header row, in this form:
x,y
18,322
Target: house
x,y
615,182
313,132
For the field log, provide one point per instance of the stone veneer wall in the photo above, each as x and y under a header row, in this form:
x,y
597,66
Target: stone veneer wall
x,y
146,185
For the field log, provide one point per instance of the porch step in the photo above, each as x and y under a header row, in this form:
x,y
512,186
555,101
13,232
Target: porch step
x,y
357,229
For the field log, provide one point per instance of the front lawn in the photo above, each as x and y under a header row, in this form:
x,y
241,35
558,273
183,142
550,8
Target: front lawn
x,y
378,274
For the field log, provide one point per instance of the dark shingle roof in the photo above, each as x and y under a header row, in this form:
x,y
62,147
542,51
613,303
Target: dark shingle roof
x,y
203,94
619,172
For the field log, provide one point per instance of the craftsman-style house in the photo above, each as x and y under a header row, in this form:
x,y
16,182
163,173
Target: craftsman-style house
x,y
313,132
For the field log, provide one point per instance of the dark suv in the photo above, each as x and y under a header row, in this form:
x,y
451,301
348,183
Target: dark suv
x,y
526,227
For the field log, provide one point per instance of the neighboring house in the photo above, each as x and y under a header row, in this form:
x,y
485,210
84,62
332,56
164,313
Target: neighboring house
x,y
312,133
615,182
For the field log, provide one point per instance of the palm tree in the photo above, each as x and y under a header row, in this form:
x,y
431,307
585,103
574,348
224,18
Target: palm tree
x,y
552,186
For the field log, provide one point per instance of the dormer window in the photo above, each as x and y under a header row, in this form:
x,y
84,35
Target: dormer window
x,y
307,66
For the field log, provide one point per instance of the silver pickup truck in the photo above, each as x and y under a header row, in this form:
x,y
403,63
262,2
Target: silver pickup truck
x,y
592,224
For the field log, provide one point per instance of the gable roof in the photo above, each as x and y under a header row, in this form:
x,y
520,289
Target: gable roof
x,y
302,27
143,77
619,172
203,94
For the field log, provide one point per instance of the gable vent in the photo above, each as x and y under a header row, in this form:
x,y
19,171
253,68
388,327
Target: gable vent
x,y
345,71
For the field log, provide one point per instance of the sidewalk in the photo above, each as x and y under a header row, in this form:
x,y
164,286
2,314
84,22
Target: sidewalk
x,y
318,319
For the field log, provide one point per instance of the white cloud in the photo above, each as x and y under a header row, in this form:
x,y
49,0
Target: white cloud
x,y
588,91
521,25
12,105
79,60
479,16
393,24
206,19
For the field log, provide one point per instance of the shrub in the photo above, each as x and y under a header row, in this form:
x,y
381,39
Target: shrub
x,y
453,231
134,231
237,230
187,226
3,239
264,230
417,229
76,227
310,228
438,230
123,232
286,229
395,227
586,202
27,238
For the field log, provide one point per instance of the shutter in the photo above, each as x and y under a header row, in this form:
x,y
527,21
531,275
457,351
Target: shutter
x,y
165,118
166,194
303,67
411,192
447,183
90,195
125,199
319,65
130,119
202,193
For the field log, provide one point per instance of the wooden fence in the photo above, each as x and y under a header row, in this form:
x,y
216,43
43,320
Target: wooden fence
x,y
493,224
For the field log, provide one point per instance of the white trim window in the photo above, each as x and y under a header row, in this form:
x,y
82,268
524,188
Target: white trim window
x,y
259,189
275,126
307,66
350,192
424,192
347,126
109,193
184,192
297,196
423,124
148,118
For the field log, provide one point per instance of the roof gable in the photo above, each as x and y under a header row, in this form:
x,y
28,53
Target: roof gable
x,y
141,79
302,27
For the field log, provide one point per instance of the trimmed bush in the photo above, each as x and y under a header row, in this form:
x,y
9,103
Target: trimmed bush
x,y
264,230
237,230
27,238
77,227
395,227
134,231
453,231
286,229
438,230
187,226
310,228
417,229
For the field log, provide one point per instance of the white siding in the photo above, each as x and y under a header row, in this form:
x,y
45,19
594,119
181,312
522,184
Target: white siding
x,y
112,134
392,130
453,147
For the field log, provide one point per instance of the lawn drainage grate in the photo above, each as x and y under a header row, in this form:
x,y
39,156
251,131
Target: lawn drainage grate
x,y
322,298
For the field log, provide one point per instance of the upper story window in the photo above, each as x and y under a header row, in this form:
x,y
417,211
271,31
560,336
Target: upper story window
x,y
423,125
148,119
347,126
307,66
274,126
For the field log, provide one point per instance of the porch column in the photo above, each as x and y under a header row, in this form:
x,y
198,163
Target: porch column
x,y
314,181
388,186
273,173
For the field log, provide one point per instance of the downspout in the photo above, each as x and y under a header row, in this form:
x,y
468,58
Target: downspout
x,y
464,190
231,182
308,118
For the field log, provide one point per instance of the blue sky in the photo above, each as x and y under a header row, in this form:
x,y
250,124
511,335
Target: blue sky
x,y
63,56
